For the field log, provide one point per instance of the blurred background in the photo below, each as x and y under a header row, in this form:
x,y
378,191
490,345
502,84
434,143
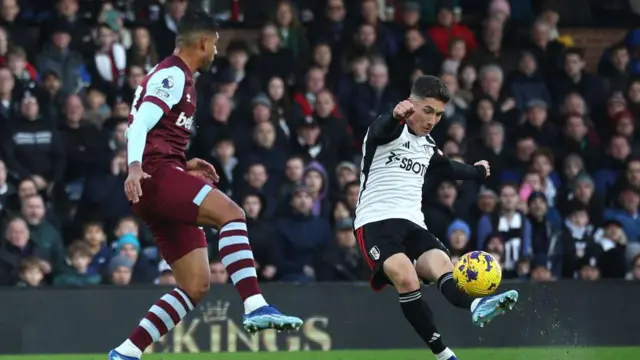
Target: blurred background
x,y
547,91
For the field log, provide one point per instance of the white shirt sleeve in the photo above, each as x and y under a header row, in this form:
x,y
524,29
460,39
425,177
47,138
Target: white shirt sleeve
x,y
147,116
165,88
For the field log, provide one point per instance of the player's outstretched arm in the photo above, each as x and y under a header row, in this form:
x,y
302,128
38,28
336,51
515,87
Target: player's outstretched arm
x,y
388,127
454,170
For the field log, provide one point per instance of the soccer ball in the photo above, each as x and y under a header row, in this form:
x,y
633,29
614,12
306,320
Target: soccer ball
x,y
477,274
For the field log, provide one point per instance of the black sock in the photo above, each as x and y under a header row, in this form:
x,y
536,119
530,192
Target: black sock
x,y
456,297
420,316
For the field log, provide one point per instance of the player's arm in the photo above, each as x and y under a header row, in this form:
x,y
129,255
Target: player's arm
x,y
164,90
455,170
388,127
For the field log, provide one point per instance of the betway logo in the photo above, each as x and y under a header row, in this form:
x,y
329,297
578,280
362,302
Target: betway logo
x,y
184,121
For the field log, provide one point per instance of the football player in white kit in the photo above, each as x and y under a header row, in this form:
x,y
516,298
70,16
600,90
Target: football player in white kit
x,y
389,223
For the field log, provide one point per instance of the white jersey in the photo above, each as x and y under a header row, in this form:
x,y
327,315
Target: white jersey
x,y
393,173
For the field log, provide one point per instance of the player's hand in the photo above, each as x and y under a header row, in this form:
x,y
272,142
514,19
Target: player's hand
x,y
132,186
403,110
202,169
485,165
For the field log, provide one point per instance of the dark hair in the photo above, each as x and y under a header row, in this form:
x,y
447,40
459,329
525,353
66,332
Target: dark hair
x,y
507,184
617,47
428,86
574,51
546,152
236,46
92,223
196,21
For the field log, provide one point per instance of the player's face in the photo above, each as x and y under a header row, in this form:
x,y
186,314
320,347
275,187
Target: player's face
x,y
428,113
209,44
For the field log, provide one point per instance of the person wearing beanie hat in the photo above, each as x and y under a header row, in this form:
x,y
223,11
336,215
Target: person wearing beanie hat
x,y
128,245
120,270
458,235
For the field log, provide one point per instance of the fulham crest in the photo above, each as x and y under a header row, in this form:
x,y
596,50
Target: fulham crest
x,y
375,253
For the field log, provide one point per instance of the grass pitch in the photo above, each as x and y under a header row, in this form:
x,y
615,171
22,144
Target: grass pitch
x,y
553,353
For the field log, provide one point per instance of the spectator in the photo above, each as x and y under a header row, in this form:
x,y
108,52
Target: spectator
x,y
357,75
306,99
333,27
527,84
618,73
257,180
262,232
35,149
416,52
18,247
247,83
443,209
300,236
589,269
226,163
575,140
546,49
31,274
613,241
273,59
20,34
342,258
165,277
544,224
24,72
84,146
7,190
370,13
280,104
266,151
294,170
78,274
537,124
447,28
109,60
576,78
634,273
52,94
375,97
316,180
492,50
333,124
540,270
627,214
9,102
322,58
97,108
511,224
313,144
213,125
95,237
129,246
57,57
167,26
135,75
143,49
42,232
66,13
219,274
120,270
351,196
458,235
291,33
574,244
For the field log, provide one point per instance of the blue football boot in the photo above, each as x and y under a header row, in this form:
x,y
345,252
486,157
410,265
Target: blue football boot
x,y
114,355
491,306
268,317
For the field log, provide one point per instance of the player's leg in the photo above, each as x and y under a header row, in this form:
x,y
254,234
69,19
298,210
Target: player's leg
x,y
434,265
381,244
402,274
216,209
189,262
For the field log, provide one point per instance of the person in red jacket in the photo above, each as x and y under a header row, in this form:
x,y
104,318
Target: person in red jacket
x,y
442,33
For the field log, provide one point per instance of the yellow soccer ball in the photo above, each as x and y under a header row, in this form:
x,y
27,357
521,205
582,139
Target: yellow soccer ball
x,y
477,274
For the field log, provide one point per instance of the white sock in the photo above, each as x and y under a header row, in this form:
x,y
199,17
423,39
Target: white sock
x,y
445,354
474,304
128,349
254,302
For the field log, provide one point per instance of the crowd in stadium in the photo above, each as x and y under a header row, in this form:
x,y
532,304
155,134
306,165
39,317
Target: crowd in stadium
x,y
283,120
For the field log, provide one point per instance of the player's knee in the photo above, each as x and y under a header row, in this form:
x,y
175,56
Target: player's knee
x,y
234,212
197,289
402,274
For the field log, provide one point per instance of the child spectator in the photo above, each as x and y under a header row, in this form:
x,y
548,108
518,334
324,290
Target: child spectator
x,y
458,236
129,246
78,274
24,72
166,277
95,238
120,270
31,274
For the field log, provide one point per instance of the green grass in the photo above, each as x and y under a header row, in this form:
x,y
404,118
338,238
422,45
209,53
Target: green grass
x,y
553,353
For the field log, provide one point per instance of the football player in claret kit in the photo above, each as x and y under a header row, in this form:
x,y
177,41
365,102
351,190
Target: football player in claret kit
x,y
398,152
175,196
